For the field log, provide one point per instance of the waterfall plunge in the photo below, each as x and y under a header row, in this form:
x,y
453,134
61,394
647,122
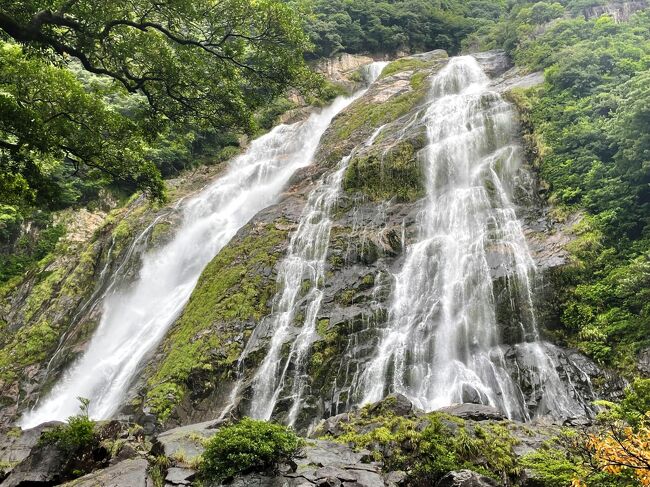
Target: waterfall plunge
x,y
305,262
136,318
442,343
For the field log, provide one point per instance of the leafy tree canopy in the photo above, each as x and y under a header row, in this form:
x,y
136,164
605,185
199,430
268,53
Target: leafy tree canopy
x,y
181,63
394,26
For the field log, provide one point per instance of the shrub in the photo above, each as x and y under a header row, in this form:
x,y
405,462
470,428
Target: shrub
x,y
636,404
248,445
76,435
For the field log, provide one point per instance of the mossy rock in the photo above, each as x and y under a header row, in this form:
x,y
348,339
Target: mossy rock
x,y
400,91
393,173
231,295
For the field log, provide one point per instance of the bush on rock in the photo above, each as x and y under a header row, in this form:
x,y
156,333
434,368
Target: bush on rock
x,y
248,445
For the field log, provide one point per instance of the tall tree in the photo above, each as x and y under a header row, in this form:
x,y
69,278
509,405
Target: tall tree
x,y
208,63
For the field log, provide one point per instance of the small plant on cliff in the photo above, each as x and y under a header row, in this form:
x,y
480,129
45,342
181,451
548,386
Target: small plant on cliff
x,y
246,446
78,434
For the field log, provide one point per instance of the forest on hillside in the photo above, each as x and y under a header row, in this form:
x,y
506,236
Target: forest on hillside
x,y
106,100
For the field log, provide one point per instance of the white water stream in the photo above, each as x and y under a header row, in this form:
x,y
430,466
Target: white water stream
x,y
136,318
303,266
442,342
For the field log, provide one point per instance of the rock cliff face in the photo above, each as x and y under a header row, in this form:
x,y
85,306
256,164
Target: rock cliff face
x,y
619,11
228,320
372,223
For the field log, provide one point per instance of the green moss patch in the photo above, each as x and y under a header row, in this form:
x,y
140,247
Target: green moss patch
x,y
29,346
428,446
404,64
231,290
395,173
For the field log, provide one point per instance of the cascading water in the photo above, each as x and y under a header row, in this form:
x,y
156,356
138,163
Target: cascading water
x,y
136,318
442,344
304,266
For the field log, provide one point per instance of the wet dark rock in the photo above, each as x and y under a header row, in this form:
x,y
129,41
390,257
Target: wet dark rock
x,y
43,466
643,362
465,478
477,412
396,404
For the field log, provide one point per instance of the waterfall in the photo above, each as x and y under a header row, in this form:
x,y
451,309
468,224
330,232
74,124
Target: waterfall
x,y
442,343
136,317
300,280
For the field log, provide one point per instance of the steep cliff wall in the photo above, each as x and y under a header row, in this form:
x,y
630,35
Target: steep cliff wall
x,y
206,365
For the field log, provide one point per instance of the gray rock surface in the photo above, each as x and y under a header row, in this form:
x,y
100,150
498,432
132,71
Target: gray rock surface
x,y
185,440
15,444
179,476
477,412
43,466
326,464
494,63
397,404
129,473
465,478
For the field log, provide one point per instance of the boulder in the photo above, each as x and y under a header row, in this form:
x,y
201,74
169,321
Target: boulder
x,y
477,412
180,476
397,404
465,478
494,63
185,440
131,473
16,444
43,466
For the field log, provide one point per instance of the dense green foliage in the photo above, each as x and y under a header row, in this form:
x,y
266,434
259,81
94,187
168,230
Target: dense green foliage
x,y
589,127
430,446
118,94
26,251
568,456
75,435
248,445
378,26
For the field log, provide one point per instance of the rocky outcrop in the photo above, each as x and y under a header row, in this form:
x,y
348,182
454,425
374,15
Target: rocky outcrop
x,y
343,68
619,11
133,472
373,222
16,444
326,464
494,63
477,412
465,478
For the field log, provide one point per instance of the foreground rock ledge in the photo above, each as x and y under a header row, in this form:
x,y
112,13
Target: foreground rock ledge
x,y
127,457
